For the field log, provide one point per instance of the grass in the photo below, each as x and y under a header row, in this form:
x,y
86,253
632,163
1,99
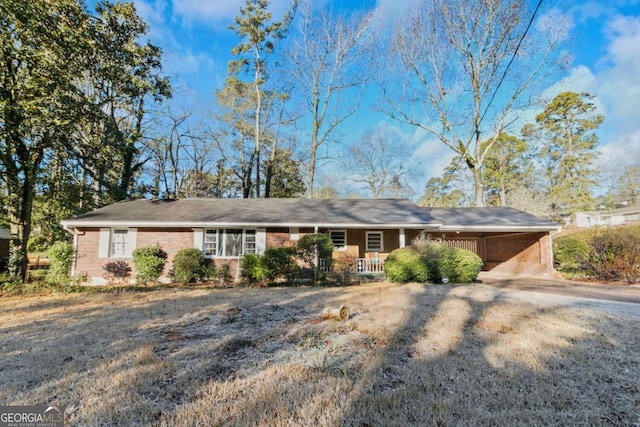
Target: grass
x,y
409,355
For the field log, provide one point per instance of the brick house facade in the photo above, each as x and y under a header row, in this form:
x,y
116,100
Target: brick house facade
x,y
506,240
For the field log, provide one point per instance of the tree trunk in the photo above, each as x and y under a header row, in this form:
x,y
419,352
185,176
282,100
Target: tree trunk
x,y
478,186
312,163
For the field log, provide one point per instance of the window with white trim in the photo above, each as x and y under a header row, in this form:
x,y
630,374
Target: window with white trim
x,y
374,241
118,244
229,242
339,239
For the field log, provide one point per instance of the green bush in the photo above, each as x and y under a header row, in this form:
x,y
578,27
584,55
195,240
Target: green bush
x,y
60,256
253,268
406,265
148,263
432,262
468,266
281,263
314,247
188,265
37,244
570,254
274,264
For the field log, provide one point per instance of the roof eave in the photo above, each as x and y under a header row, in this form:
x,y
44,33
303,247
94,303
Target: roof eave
x,y
181,224
500,228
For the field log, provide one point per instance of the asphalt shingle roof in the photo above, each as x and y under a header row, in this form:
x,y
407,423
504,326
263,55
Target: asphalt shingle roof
x,y
354,213
270,212
491,217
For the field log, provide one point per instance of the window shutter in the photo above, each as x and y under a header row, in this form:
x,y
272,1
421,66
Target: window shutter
x,y
294,233
132,239
261,240
198,238
103,243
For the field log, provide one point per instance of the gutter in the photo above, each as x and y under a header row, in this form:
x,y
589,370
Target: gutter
x,y
145,224
512,228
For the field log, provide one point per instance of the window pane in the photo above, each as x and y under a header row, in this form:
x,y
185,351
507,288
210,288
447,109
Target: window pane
x,y
118,243
233,243
250,241
339,239
374,241
211,243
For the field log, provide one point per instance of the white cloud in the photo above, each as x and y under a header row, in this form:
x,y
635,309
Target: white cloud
x,y
431,155
619,83
154,14
392,9
219,11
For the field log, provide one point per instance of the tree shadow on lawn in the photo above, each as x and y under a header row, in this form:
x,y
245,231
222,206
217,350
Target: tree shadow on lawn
x,y
410,355
481,360
132,358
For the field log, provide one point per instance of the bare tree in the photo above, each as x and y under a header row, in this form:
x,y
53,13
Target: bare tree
x,y
259,34
470,65
379,161
326,63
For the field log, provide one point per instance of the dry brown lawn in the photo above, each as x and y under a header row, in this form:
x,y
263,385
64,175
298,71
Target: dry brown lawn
x,y
409,355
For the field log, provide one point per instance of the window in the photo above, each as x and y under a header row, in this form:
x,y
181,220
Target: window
x,y
250,241
211,243
374,241
339,239
118,247
229,242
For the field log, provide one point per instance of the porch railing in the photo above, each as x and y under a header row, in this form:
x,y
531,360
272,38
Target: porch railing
x,y
362,265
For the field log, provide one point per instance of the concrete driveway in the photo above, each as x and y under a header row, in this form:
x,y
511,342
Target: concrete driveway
x,y
616,299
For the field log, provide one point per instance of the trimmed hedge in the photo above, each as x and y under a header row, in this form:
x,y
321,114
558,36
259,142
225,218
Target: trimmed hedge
x,y
432,262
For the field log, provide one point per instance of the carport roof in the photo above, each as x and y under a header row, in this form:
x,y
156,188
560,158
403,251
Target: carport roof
x,y
490,219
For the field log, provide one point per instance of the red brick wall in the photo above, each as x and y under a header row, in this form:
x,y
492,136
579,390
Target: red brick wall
x,y
170,240
278,237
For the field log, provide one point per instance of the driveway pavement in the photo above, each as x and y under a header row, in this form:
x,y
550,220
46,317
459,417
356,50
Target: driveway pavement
x,y
617,299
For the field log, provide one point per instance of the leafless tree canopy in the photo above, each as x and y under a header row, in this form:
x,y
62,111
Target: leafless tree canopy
x,y
469,66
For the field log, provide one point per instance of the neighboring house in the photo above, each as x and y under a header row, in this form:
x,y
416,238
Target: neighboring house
x,y
604,218
368,229
5,236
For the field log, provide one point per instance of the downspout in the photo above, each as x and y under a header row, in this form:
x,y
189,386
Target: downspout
x,y
551,236
75,248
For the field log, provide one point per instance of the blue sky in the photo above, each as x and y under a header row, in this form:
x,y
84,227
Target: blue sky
x,y
604,45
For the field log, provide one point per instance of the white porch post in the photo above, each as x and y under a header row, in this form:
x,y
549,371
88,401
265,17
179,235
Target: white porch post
x,y
402,240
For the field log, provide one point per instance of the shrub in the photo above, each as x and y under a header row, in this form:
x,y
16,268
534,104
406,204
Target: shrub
x,y
431,262
614,254
116,271
253,268
313,247
570,254
60,256
148,263
188,265
223,274
406,265
37,244
343,266
281,263
468,266
274,264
